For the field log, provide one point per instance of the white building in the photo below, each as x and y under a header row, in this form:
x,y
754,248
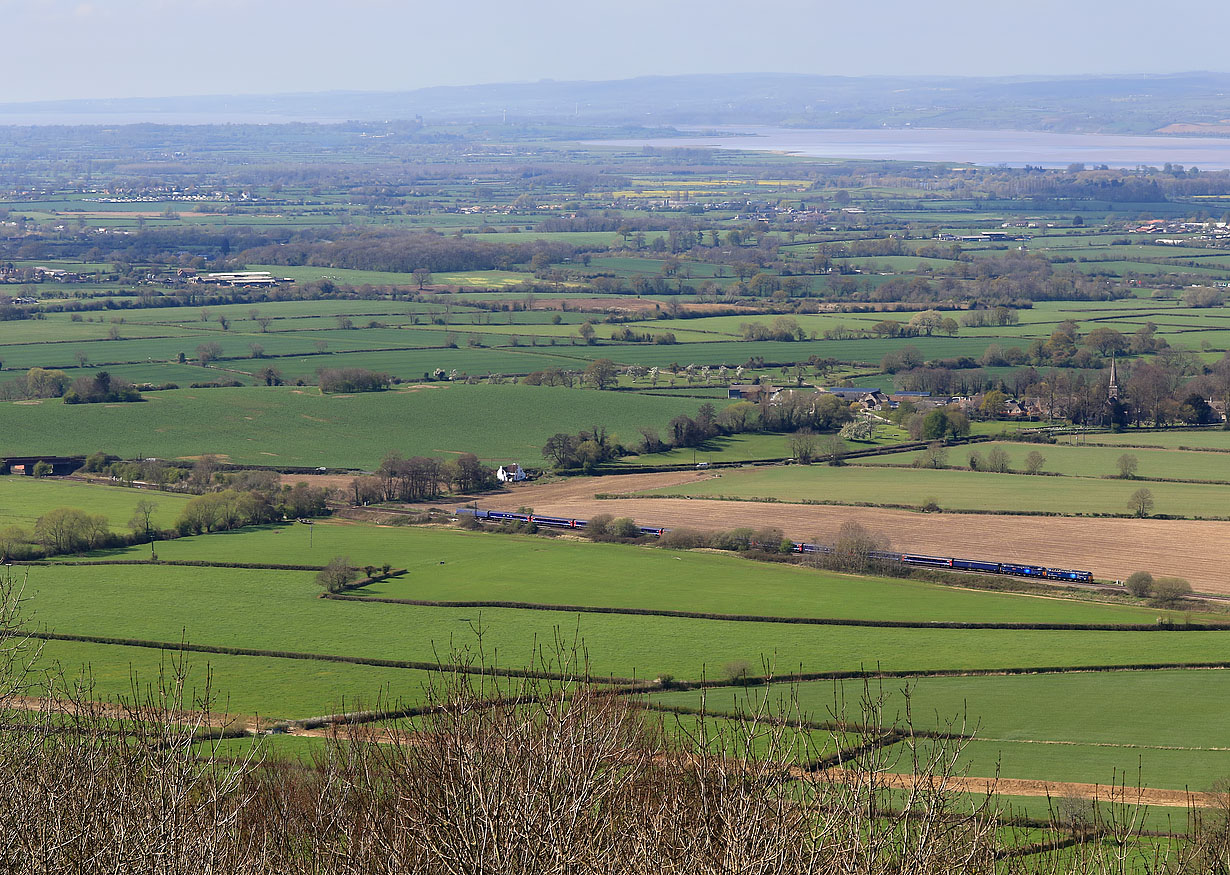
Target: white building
x,y
510,473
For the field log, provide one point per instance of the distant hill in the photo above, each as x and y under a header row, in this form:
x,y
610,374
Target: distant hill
x,y
1173,103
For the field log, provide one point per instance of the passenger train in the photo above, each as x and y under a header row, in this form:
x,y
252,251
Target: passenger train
x,y
984,566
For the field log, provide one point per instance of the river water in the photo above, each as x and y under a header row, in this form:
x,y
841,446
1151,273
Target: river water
x,y
953,145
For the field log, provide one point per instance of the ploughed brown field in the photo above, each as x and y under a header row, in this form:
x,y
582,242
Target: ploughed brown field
x,y
1110,548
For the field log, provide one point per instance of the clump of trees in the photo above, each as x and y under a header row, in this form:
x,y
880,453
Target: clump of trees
x,y
782,328
65,530
551,377
70,530
232,508
228,509
937,425
101,388
37,383
586,449
601,374
1140,584
334,380
605,527
1162,591
337,575
807,413
420,478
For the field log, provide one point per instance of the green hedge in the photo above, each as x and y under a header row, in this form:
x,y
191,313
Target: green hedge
x,y
807,621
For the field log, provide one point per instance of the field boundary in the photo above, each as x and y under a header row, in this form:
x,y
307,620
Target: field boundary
x,y
189,563
811,621
906,674
443,668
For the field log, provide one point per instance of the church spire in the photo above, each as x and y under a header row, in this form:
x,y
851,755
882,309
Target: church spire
x,y
1112,391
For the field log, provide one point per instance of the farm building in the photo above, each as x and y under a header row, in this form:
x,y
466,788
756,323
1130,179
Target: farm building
x,y
751,392
512,473
869,398
242,278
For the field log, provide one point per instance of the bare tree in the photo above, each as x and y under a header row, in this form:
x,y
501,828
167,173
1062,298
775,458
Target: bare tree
x,y
998,460
832,446
337,575
142,518
1141,502
804,445
934,456
1170,590
208,352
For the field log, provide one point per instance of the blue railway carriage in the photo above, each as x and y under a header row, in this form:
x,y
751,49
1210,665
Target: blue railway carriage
x,y
929,561
1022,570
976,565
1068,574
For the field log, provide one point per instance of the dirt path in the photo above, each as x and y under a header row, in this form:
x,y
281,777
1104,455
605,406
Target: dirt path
x,y
1111,548
965,784
1060,790
111,711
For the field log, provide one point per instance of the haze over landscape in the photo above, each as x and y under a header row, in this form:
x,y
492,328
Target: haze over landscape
x,y
151,48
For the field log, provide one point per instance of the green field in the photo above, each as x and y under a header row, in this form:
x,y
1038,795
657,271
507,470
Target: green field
x,y
288,426
278,610
749,447
24,499
1086,460
1061,727
1204,439
953,490
269,687
1066,726
450,565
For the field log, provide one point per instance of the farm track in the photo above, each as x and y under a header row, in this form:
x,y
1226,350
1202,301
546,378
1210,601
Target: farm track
x,y
1111,548
1056,790
254,726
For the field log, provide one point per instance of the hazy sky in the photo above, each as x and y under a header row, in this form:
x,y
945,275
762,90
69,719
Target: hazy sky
x,y
122,48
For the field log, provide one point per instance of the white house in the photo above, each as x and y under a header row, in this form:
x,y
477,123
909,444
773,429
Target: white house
x,y
510,473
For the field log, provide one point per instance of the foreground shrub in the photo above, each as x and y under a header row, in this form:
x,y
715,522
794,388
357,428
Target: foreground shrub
x,y
625,528
1140,584
1170,590
682,539
351,380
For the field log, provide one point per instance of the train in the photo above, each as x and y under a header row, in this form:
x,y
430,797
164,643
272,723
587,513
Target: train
x,y
983,566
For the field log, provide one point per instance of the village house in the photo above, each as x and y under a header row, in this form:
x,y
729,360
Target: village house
x,y
511,473
752,392
869,398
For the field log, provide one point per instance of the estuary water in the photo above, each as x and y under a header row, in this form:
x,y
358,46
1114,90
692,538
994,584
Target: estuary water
x,y
957,146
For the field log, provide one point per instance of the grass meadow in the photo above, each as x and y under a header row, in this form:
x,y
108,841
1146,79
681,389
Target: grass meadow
x,y
1203,439
281,611
1086,727
1087,460
301,427
954,490
24,499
